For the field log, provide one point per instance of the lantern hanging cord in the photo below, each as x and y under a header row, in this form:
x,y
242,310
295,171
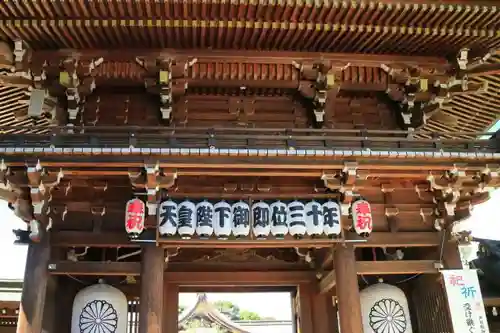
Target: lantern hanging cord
x,y
398,282
408,279
441,249
86,283
77,280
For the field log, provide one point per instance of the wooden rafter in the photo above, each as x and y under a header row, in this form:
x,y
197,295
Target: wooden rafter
x,y
82,33
76,8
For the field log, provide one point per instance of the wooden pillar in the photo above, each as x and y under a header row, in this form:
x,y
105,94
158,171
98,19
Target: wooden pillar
x,y
451,260
451,254
31,309
151,300
347,289
170,308
324,314
50,315
65,294
294,311
305,308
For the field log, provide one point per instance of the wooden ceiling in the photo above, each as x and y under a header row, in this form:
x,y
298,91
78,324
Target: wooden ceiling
x,y
426,28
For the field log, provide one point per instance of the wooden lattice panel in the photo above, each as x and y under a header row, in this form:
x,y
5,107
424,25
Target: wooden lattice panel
x,y
430,305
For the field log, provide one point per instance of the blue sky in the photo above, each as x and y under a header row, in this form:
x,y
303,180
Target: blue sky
x,y
277,305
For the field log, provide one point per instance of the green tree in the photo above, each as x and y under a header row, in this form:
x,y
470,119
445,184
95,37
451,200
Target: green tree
x,y
249,315
234,312
230,309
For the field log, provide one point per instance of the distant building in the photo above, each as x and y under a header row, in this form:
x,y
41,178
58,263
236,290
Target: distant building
x,y
10,296
210,320
266,326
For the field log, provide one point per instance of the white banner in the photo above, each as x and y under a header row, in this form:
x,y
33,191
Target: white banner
x,y
465,301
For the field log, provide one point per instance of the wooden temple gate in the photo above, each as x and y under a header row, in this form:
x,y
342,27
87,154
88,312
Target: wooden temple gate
x,y
169,146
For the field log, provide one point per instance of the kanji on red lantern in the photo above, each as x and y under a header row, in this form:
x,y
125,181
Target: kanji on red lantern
x,y
362,217
364,222
134,216
363,207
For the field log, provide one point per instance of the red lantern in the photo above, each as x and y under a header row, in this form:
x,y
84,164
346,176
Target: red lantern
x,y
135,213
362,217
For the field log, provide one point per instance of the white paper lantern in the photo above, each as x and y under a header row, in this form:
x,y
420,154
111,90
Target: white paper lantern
x,y
314,218
362,217
167,218
99,308
241,219
331,218
261,219
187,219
296,219
204,219
222,220
279,212
384,309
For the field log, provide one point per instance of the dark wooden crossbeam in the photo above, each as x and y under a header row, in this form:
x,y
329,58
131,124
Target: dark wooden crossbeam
x,y
84,268
260,57
270,278
383,268
250,163
118,239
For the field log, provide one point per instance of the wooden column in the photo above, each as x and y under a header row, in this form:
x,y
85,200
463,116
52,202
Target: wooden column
x,y
451,253
65,295
294,311
305,308
324,314
31,309
170,308
347,289
151,300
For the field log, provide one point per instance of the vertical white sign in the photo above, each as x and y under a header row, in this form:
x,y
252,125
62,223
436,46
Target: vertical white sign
x,y
465,301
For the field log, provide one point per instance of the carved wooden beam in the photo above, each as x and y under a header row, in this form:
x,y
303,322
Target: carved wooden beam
x,y
41,181
319,84
166,77
29,72
78,83
455,191
153,179
391,212
410,85
489,177
98,212
344,182
469,64
30,193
